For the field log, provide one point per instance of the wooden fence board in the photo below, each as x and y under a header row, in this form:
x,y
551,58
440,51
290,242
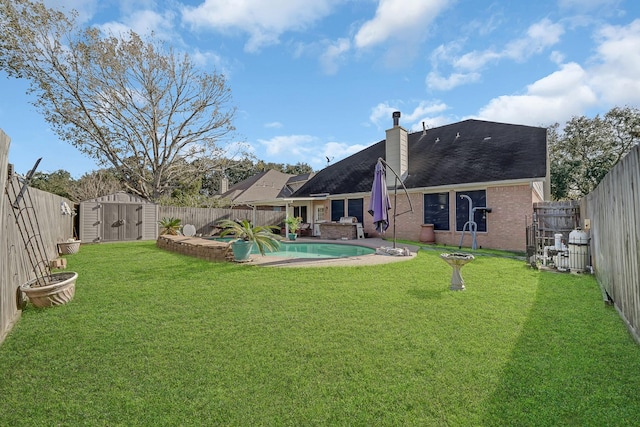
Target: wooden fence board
x,y
614,210
205,219
16,269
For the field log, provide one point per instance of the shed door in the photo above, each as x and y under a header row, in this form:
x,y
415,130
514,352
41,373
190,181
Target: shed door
x,y
121,222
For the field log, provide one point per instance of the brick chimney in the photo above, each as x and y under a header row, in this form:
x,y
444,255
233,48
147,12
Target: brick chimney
x,y
396,150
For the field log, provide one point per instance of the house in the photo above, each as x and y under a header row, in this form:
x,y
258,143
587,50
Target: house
x,y
488,172
268,185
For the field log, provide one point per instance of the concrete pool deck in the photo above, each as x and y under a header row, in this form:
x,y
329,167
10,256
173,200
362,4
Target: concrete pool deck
x,y
372,259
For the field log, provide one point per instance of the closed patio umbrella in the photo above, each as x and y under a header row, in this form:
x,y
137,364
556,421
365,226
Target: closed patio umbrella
x,y
379,205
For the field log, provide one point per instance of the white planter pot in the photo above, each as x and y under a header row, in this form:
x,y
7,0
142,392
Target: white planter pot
x,y
58,289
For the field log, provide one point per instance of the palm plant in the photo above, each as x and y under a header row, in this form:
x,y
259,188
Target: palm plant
x,y
262,235
293,222
170,226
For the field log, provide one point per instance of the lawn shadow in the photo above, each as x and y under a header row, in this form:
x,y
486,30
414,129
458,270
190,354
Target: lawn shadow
x,y
568,364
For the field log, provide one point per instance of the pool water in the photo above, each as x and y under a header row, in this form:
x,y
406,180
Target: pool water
x,y
317,250
311,250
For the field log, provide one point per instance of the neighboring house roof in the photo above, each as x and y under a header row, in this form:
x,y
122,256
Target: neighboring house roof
x,y
267,185
471,151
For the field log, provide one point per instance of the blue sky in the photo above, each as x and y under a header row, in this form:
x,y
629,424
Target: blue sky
x,y
317,79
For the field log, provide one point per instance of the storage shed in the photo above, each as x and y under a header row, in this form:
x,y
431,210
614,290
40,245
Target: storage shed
x,y
118,217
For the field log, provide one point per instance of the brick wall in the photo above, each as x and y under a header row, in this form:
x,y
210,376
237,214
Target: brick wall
x,y
506,224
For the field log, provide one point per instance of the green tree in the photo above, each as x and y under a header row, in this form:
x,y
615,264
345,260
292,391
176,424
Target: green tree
x,y
298,169
587,149
58,182
124,101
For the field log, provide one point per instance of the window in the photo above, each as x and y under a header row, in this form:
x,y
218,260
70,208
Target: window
x,y
355,208
337,210
479,199
436,210
300,211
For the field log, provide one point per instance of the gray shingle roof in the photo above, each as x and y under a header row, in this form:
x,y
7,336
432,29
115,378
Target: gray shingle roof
x,y
483,152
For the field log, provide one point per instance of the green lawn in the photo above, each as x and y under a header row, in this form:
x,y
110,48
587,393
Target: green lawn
x,y
155,338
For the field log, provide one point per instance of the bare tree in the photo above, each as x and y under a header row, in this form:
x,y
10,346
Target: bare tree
x,y
95,184
126,102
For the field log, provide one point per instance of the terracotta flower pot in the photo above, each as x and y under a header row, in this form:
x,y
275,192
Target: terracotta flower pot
x,y
427,235
58,289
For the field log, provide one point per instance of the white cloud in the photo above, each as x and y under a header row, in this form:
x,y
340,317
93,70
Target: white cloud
x,y
337,151
85,8
143,22
610,80
466,67
557,57
381,114
208,59
398,19
554,98
333,55
263,21
293,145
292,148
539,36
616,76
273,125
436,81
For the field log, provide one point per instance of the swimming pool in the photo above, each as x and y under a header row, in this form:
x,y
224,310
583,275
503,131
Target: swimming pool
x,y
317,250
311,250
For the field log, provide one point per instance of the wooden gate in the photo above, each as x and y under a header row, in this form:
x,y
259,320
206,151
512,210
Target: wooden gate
x,y
121,222
549,219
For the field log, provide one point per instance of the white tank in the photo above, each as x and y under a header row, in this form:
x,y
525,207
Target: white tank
x,y
558,241
578,251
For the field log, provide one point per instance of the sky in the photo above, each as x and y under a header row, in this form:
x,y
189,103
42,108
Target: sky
x,y
316,81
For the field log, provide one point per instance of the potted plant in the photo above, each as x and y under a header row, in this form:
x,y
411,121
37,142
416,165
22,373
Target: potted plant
x,y
293,223
170,226
246,235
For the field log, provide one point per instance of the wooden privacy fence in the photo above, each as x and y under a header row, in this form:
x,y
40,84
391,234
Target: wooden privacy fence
x,y
205,219
16,267
613,209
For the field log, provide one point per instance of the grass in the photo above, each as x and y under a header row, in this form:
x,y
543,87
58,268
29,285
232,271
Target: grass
x,y
156,338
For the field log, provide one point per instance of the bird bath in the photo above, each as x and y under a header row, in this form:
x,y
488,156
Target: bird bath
x,y
457,261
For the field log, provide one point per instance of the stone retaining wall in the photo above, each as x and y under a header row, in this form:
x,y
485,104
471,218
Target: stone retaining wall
x,y
210,250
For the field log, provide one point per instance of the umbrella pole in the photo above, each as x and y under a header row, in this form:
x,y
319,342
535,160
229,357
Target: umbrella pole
x,y
395,205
